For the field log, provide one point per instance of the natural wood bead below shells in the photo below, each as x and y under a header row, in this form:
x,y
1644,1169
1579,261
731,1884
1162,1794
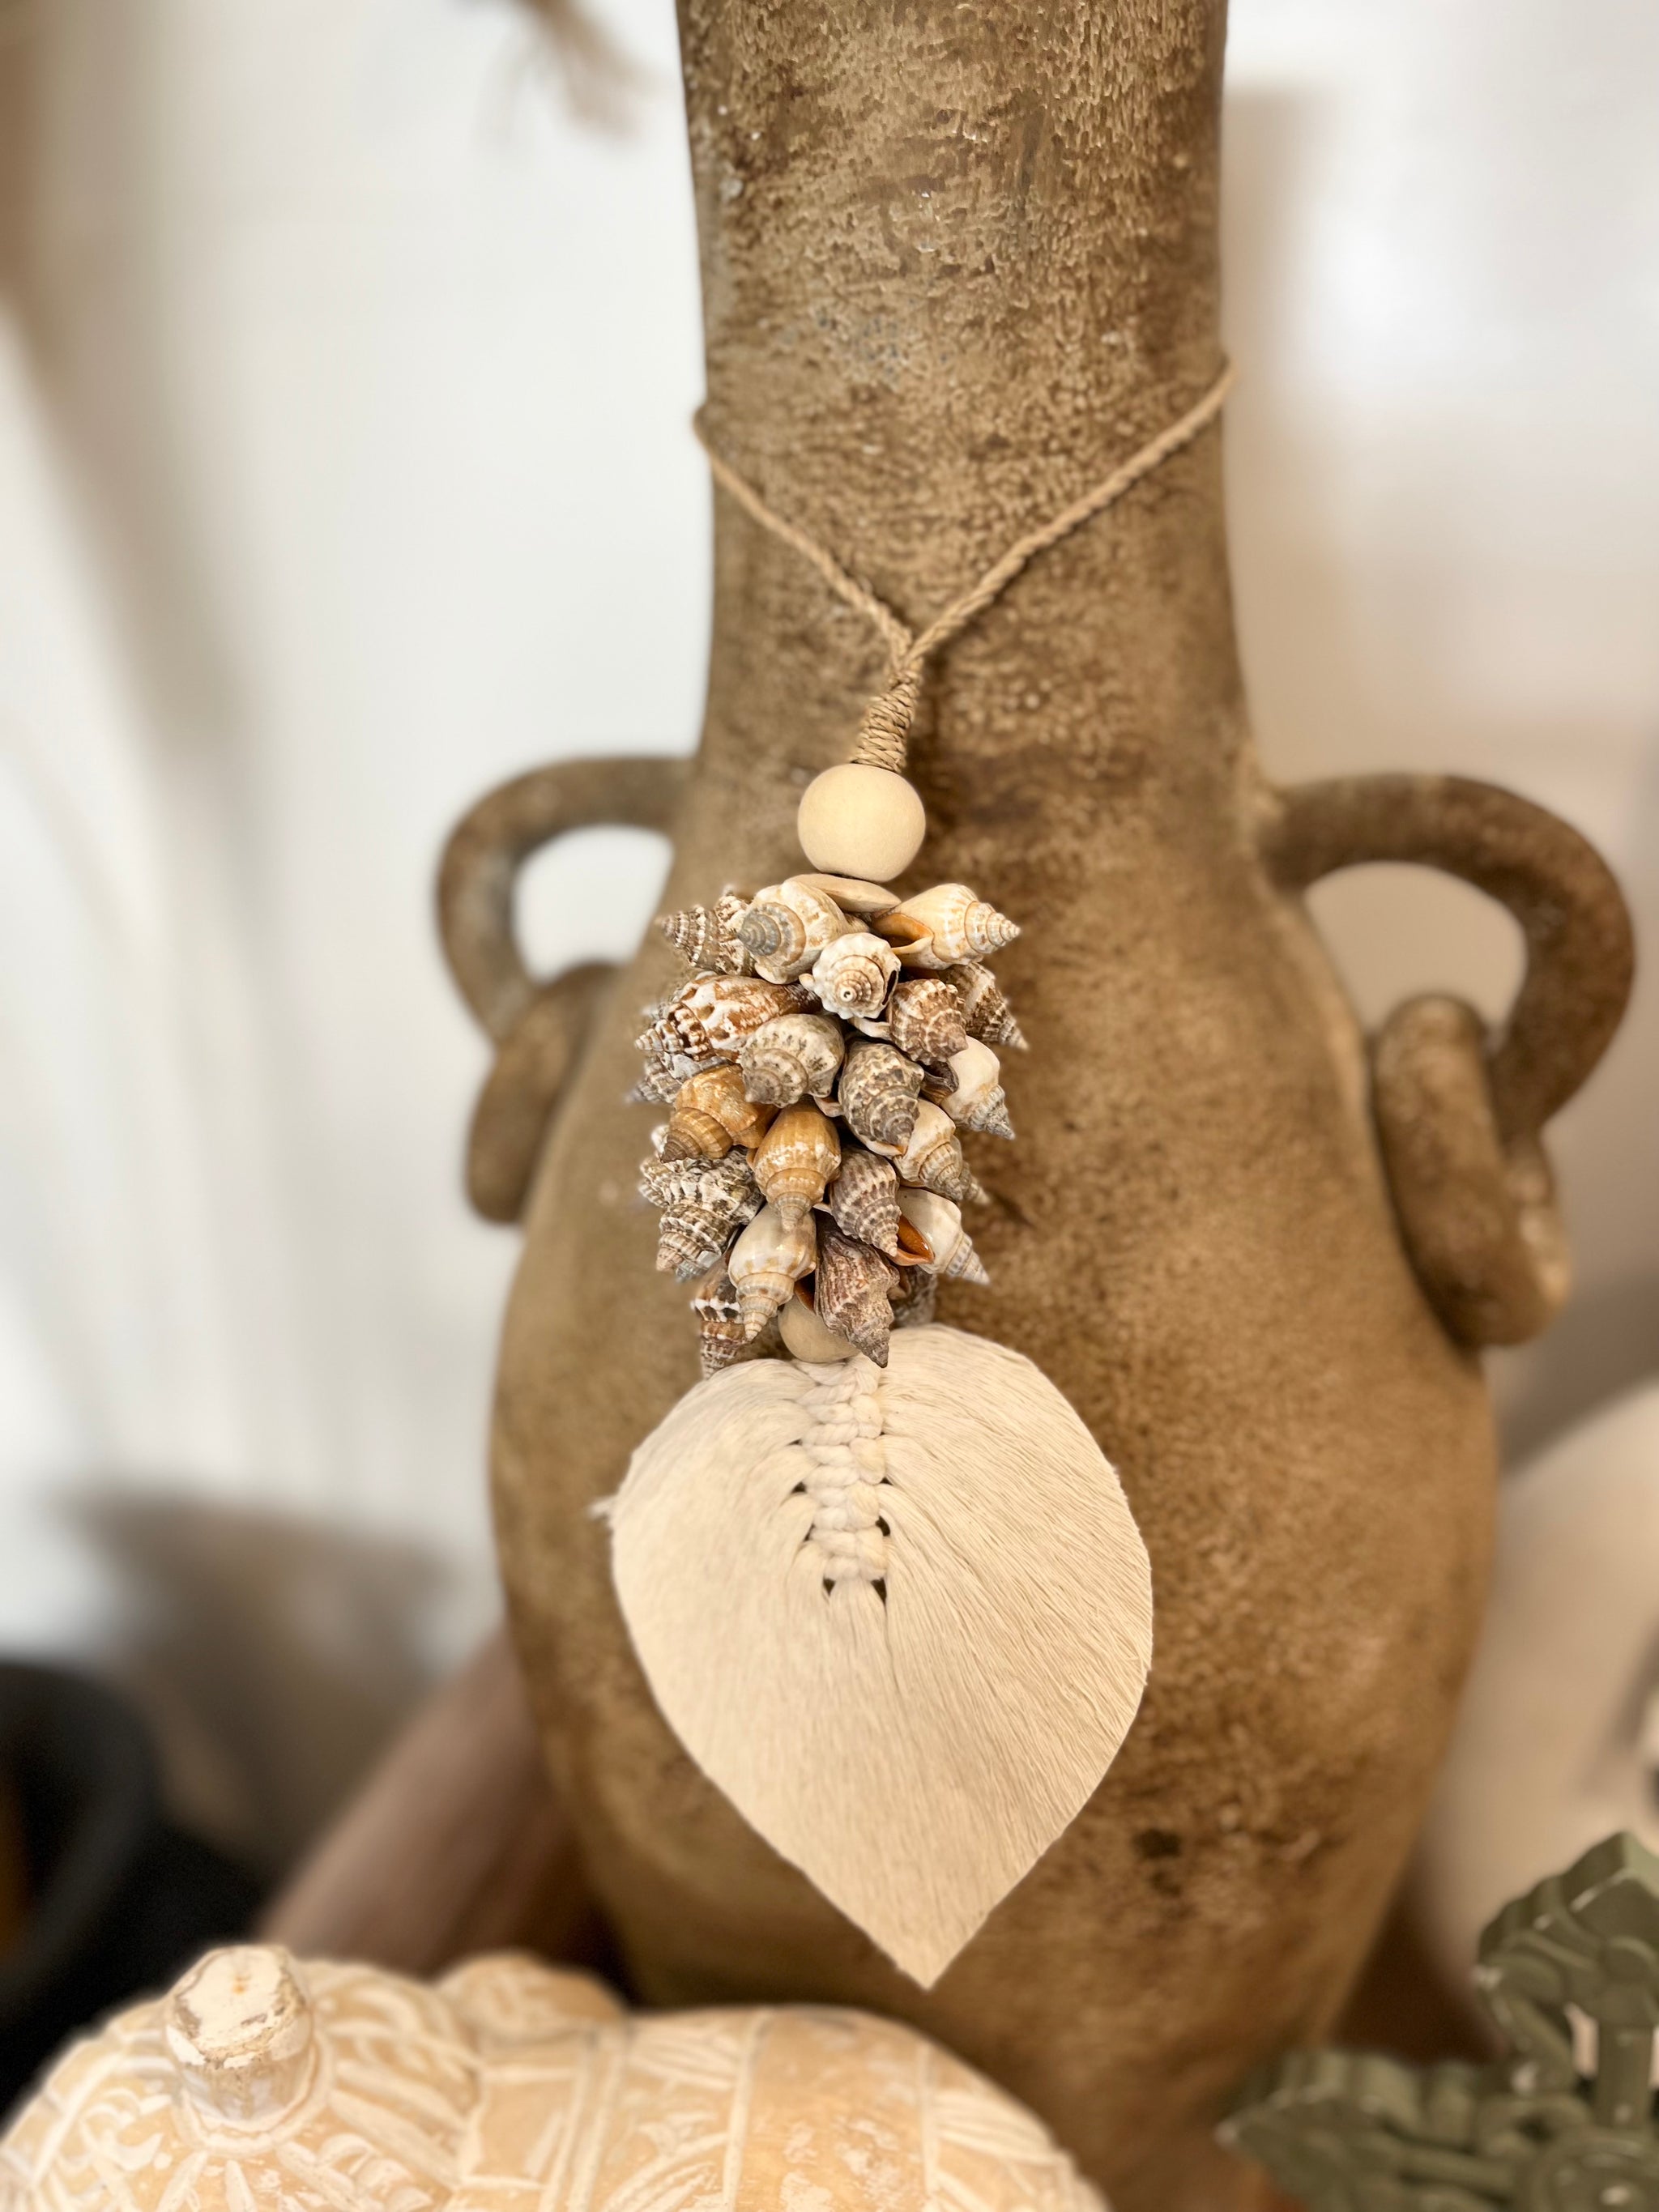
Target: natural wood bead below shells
x,y
857,820
805,1337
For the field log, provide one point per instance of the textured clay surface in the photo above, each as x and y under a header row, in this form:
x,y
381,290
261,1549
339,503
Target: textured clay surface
x,y
958,260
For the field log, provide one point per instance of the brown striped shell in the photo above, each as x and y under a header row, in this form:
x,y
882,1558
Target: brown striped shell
x,y
709,1019
879,1093
719,1320
864,1200
924,1019
790,1057
850,1291
701,1216
705,937
984,1009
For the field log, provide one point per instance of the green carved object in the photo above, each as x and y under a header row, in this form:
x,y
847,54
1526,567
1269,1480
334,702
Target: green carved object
x,y
1351,2131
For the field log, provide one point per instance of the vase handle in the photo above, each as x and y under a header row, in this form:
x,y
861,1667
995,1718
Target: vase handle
x,y
1460,1110
539,1025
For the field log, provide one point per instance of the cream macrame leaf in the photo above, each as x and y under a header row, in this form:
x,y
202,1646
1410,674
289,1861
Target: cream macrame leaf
x,y
902,1618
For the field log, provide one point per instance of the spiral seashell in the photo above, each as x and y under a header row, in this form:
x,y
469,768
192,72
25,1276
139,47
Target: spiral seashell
x,y
719,1091
984,1009
788,925
790,1057
852,975
924,1019
698,1223
939,927
850,1291
970,1091
656,1087
796,1159
707,1021
864,1200
707,936
692,1134
719,1320
938,1222
767,1261
933,1158
877,1093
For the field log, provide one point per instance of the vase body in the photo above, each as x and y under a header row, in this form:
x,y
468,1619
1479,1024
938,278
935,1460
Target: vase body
x,y
958,261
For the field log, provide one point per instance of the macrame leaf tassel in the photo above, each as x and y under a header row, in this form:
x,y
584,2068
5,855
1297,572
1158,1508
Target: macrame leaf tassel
x,y
902,1618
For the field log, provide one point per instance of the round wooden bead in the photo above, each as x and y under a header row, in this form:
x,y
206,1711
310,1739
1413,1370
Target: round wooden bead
x,y
857,821
805,1337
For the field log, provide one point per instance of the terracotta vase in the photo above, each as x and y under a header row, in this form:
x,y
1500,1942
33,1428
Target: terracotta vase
x,y
956,263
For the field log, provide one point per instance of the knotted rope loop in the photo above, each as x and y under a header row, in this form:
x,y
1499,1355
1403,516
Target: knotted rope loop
x,y
884,731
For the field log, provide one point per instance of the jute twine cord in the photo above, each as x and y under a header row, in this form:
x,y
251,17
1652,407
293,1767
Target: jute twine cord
x,y
884,734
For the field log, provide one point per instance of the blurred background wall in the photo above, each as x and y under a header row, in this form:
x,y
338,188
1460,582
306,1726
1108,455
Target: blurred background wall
x,y
347,349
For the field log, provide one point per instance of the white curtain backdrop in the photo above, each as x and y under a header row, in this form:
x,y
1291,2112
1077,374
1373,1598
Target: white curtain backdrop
x,y
345,379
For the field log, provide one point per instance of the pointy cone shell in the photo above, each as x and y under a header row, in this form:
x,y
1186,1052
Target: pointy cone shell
x,y
924,1019
704,1204
938,928
719,1091
791,1056
877,1093
708,1020
795,1160
720,1319
693,1134
852,975
932,1159
767,1261
707,936
787,925
854,895
984,1009
850,1292
864,1200
939,1222
972,1091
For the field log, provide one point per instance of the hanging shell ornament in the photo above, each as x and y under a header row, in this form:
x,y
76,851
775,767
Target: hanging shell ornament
x,y
884,1587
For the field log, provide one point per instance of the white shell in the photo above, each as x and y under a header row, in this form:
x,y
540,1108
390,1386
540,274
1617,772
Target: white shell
x,y
805,1337
859,821
901,1618
940,1220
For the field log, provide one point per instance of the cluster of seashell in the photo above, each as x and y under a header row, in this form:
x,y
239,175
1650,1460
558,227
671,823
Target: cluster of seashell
x,y
833,1042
